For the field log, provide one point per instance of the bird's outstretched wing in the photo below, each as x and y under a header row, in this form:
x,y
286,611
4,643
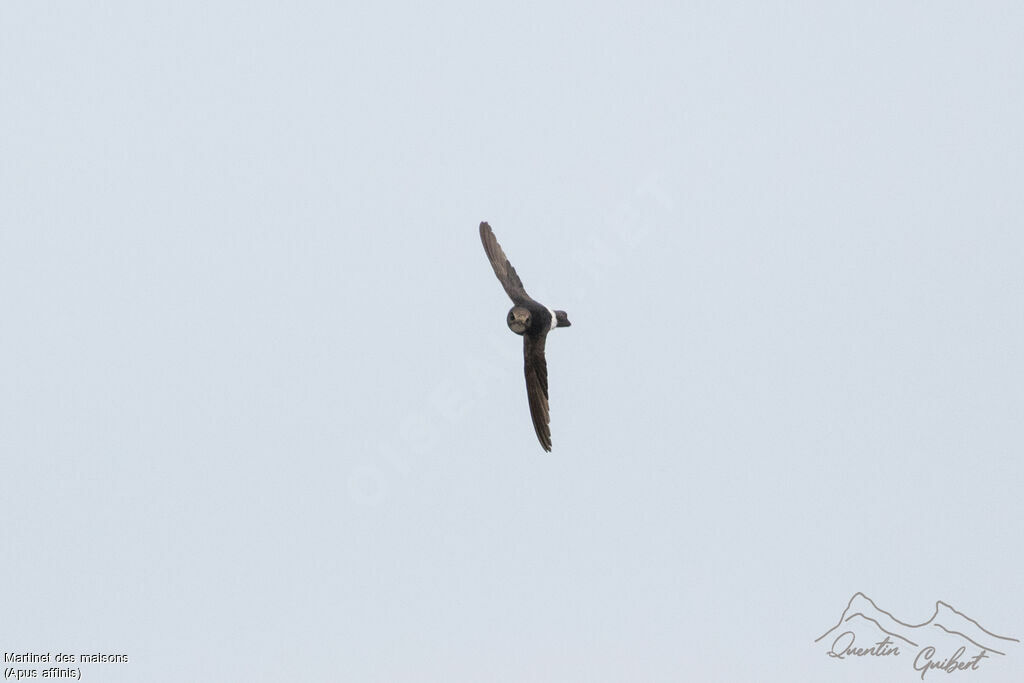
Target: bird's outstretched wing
x,y
502,268
536,369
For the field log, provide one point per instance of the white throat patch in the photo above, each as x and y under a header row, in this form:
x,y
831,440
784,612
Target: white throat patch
x,y
554,322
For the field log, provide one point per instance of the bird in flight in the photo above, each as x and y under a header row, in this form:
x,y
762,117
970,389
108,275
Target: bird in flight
x,y
532,321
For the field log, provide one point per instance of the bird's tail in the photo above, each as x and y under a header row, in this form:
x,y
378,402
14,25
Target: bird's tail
x,y
562,319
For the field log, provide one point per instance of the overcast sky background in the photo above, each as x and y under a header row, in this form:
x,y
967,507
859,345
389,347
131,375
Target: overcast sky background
x,y
261,417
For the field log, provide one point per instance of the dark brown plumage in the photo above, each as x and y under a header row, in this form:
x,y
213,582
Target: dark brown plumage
x,y
507,275
533,321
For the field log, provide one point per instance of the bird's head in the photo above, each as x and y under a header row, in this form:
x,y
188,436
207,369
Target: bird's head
x,y
518,319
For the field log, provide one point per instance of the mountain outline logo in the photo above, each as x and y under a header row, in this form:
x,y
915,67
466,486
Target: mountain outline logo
x,y
949,641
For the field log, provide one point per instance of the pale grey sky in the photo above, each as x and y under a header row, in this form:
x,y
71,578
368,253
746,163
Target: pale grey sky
x,y
261,418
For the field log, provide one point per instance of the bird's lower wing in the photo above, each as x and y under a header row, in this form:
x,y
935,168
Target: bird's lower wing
x,y
536,369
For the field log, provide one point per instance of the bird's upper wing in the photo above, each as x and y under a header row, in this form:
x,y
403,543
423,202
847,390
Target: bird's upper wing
x,y
536,369
502,268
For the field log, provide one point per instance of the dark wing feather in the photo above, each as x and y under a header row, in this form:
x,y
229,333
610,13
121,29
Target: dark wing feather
x,y
537,386
502,268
